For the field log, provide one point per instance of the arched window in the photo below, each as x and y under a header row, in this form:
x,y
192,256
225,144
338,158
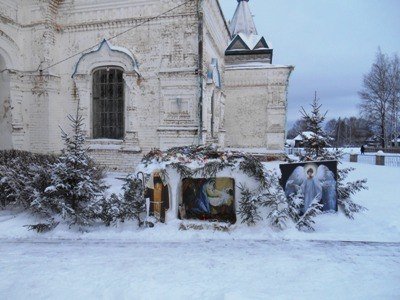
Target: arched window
x,y
108,103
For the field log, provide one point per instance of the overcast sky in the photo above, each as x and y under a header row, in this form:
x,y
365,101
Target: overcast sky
x,y
330,43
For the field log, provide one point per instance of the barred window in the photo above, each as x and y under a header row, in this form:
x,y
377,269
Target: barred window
x,y
108,103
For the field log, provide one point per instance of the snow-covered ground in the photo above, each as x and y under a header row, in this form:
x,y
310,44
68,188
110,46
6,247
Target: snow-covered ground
x,y
342,259
207,269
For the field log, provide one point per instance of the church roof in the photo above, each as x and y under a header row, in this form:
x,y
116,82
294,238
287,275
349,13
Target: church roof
x,y
248,42
245,39
242,21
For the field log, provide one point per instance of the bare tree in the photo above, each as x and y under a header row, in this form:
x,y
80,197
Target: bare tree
x,y
395,101
298,127
380,96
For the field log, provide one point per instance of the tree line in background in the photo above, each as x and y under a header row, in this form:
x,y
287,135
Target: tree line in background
x,y
378,123
343,132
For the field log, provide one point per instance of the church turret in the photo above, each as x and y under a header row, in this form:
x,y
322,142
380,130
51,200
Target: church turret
x,y
242,21
245,39
255,88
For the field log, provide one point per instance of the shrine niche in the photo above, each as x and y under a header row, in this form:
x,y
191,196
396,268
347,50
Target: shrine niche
x,y
208,199
158,193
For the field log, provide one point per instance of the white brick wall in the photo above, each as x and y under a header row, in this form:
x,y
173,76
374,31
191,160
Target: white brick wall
x,y
39,33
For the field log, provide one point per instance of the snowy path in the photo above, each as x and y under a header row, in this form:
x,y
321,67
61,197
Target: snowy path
x,y
233,269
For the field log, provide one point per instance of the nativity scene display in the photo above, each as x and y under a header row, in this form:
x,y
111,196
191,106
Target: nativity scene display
x,y
208,199
311,182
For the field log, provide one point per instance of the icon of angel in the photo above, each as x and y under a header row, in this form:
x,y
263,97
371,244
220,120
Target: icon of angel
x,y
315,184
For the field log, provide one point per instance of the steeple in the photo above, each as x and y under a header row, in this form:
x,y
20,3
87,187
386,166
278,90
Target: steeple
x,y
245,41
242,21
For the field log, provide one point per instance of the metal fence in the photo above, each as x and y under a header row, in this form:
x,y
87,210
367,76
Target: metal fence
x,y
371,159
293,151
392,161
366,159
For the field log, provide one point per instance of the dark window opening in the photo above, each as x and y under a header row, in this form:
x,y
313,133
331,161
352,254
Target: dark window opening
x,y
108,104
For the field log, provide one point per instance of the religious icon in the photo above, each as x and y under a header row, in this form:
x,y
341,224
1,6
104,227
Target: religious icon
x,y
158,193
313,181
207,199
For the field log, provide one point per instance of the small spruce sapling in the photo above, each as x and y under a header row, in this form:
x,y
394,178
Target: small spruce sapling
x,y
274,198
110,209
133,204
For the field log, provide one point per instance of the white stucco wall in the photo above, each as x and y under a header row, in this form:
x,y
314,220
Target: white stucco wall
x,y
256,105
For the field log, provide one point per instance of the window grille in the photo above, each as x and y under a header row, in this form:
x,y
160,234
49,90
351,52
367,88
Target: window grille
x,y
108,104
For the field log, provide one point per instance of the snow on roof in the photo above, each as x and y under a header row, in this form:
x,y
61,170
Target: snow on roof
x,y
307,134
256,65
250,41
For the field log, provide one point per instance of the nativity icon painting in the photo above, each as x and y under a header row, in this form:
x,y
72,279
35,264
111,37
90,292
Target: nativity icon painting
x,y
208,199
313,182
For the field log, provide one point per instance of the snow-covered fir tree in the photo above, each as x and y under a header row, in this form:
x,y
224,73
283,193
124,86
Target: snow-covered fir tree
x,y
315,140
76,189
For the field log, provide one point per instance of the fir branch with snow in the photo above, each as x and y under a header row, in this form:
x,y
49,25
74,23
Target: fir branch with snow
x,y
295,202
249,206
273,197
346,190
277,203
110,209
252,167
133,204
306,221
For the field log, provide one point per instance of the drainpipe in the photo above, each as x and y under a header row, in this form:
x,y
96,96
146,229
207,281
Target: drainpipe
x,y
200,67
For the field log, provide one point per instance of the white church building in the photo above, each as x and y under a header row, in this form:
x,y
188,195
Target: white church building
x,y
144,74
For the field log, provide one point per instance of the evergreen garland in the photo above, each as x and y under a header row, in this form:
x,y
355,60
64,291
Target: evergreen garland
x,y
252,167
211,169
184,171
